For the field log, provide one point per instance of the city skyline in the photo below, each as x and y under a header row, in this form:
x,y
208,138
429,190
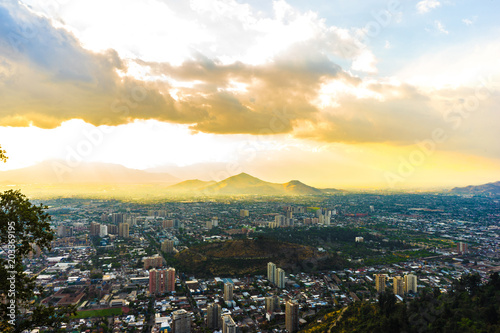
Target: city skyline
x,y
385,94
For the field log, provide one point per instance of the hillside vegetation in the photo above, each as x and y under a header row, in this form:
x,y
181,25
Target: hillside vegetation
x,y
469,307
250,256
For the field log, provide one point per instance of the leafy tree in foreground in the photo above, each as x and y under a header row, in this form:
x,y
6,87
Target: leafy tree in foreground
x,y
23,226
3,157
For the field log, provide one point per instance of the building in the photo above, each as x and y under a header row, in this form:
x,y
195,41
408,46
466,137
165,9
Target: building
x,y
462,248
228,324
215,221
209,225
123,230
181,321
153,262
272,304
244,213
279,220
280,278
214,319
168,223
167,246
359,239
157,281
410,282
292,316
94,229
228,291
170,279
112,229
271,272
103,230
398,285
64,231
116,218
131,220
380,280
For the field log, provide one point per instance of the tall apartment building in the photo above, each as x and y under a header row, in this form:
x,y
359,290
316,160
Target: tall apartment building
x,y
167,223
123,230
228,291
103,230
398,285
292,316
214,319
154,261
157,281
167,246
271,272
410,282
280,278
279,220
117,218
181,321
170,280
209,225
112,229
380,280
64,231
161,280
228,324
94,229
462,248
244,213
272,304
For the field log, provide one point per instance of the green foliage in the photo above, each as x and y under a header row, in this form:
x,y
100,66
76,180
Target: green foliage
x,y
241,257
23,226
469,307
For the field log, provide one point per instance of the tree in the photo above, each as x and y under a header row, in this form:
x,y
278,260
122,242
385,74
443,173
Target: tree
x,y
3,157
23,226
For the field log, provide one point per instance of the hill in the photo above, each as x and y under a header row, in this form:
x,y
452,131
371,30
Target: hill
x,y
61,172
245,184
250,256
190,185
468,307
485,189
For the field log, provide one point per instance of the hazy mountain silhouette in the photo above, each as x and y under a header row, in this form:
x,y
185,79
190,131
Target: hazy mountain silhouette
x,y
247,184
54,172
485,189
59,172
190,185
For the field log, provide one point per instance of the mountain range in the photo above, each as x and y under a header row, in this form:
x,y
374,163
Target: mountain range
x,y
61,173
246,184
485,189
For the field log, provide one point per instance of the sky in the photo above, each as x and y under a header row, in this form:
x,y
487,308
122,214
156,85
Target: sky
x,y
346,94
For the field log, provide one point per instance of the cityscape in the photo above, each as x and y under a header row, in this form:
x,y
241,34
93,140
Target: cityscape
x,y
131,266
235,166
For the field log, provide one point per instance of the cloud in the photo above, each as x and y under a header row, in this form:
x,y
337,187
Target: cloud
x,y
427,5
440,27
50,78
469,22
47,77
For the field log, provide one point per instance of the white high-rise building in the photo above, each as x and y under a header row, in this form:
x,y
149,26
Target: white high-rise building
x,y
103,230
271,272
280,278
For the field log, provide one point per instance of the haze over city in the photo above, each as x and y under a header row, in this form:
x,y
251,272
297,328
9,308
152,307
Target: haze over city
x,y
238,166
379,94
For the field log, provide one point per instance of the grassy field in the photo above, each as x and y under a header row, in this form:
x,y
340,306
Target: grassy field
x,y
98,313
